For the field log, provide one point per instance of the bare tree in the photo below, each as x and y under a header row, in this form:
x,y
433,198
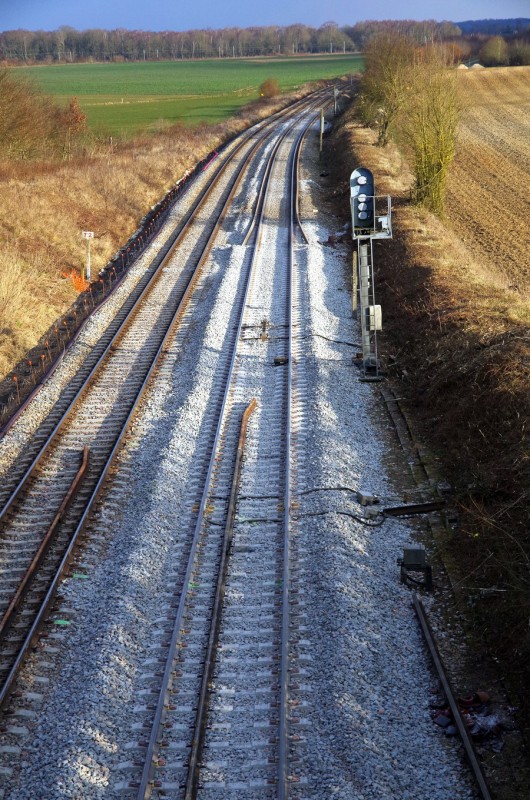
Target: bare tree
x,y
427,125
494,53
32,125
383,87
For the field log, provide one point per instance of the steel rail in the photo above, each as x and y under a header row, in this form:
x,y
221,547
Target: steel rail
x,y
264,184
284,777
82,523
116,337
190,218
28,641
476,767
297,182
296,199
283,749
22,588
263,187
41,615
150,757
213,639
261,125
53,366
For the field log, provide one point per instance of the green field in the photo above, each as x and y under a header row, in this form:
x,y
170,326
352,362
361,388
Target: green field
x,y
128,97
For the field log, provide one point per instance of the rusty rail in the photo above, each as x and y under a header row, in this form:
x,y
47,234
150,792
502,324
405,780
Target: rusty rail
x,y
202,707
453,705
70,495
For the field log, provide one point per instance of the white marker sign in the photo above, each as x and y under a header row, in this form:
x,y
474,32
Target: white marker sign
x,y
88,235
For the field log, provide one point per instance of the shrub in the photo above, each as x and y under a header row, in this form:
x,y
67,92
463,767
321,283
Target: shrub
x,y
32,125
519,51
383,89
269,88
427,128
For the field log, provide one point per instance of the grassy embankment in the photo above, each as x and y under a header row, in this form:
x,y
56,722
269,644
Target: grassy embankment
x,y
456,314
46,205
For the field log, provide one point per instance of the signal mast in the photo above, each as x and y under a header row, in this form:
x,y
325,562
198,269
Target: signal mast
x,y
371,219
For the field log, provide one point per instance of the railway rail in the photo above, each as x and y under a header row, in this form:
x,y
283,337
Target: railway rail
x,y
100,405
15,469
109,412
195,635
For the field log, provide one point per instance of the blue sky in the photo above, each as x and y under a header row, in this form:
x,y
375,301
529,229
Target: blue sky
x,y
180,15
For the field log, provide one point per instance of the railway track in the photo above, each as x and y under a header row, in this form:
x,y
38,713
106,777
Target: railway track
x,y
168,762
14,467
99,406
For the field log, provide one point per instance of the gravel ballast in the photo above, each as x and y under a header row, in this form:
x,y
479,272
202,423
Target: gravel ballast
x,y
367,732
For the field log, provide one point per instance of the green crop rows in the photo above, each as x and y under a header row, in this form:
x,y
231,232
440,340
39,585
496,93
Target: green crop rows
x,y
128,97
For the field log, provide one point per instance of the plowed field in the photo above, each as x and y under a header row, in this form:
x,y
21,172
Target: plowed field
x,y
489,196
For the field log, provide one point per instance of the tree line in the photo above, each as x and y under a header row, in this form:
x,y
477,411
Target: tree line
x,y
497,51
495,27
70,45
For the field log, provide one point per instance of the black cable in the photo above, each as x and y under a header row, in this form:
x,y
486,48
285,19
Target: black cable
x,y
356,517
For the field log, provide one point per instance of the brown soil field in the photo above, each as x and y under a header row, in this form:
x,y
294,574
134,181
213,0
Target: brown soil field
x,y
455,295
488,201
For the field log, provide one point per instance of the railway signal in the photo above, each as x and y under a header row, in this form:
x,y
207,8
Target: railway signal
x,y
371,219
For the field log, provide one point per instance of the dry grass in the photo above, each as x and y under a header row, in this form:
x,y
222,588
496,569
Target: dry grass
x,y
45,206
24,305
